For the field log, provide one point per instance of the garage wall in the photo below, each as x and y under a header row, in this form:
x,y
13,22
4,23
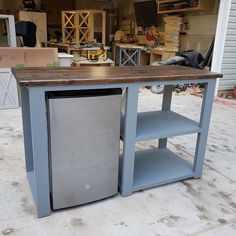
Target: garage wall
x,y
200,33
8,5
126,10
80,4
91,4
229,56
201,25
201,29
15,5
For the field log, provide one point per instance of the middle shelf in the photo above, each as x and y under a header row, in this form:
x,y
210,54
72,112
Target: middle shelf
x,y
163,124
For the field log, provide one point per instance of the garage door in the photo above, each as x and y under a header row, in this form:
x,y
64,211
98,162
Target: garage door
x,y
229,56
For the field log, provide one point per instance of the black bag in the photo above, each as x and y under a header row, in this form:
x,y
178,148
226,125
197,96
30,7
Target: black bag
x,y
27,30
193,59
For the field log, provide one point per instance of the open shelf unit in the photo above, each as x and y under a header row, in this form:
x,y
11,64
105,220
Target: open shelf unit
x,y
158,166
78,25
141,169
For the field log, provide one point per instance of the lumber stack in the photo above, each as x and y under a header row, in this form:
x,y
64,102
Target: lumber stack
x,y
172,29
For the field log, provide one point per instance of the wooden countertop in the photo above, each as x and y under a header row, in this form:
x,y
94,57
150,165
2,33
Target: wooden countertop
x,y
107,75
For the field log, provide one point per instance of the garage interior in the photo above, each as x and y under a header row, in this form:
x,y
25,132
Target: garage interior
x,y
197,30
94,36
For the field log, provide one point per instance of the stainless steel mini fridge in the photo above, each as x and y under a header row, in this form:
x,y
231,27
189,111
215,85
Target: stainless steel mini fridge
x,y
84,134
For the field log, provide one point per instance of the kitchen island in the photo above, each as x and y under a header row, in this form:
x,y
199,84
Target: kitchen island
x,y
138,170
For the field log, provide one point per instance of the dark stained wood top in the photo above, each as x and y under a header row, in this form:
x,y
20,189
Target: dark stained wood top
x,y
107,75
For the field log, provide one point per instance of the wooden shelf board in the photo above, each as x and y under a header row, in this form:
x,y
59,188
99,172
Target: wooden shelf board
x,y
181,10
157,167
166,1
197,8
163,124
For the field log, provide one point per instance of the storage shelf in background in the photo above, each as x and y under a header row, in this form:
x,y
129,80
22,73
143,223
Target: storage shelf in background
x,y
157,167
169,6
163,124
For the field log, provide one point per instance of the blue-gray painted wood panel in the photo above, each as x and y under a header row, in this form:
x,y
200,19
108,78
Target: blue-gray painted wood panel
x,y
162,124
159,166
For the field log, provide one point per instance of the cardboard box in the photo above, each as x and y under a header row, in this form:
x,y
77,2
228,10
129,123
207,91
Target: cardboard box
x,y
28,57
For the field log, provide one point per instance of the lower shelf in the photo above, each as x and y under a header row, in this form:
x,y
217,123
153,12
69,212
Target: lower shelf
x,y
159,166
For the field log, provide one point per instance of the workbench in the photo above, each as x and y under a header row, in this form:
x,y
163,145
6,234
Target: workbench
x,y
138,170
71,48
128,54
133,55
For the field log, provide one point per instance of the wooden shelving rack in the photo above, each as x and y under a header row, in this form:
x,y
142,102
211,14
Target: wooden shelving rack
x,y
157,166
142,169
172,6
78,26
69,26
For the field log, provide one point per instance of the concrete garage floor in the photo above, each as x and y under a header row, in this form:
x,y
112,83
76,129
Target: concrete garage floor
x,y
205,206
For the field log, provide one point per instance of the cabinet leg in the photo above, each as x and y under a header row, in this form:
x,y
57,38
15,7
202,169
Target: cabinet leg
x,y
166,106
25,108
139,56
204,124
40,151
120,55
130,123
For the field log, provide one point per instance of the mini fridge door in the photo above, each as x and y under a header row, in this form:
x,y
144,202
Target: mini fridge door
x,y
84,134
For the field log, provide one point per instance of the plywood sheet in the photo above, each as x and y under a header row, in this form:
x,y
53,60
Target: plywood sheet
x,y
39,19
